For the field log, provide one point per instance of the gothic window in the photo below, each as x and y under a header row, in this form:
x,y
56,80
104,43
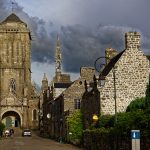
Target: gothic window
x,y
34,115
77,103
13,85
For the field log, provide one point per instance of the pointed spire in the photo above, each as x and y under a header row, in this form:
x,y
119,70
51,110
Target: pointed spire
x,y
33,83
44,82
58,41
44,77
58,58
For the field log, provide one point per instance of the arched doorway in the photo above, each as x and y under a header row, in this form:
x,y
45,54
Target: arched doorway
x,y
11,119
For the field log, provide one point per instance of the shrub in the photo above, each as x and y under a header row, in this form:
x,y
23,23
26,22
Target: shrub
x,y
137,105
106,121
2,126
76,126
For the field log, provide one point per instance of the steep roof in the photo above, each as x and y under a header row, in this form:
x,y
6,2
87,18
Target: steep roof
x,y
148,56
62,85
111,64
13,18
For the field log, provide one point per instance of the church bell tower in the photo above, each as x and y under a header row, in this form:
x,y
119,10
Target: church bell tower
x,y
15,71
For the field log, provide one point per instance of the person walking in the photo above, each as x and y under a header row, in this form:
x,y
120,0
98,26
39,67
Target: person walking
x,y
11,132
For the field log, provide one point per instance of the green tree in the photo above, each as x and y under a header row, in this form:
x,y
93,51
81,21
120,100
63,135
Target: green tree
x,y
2,127
75,123
106,121
137,105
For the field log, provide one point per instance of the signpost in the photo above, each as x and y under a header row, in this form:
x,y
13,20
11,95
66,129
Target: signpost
x,y
135,139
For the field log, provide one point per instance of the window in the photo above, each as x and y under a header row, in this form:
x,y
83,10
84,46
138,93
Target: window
x,y
77,103
12,85
34,114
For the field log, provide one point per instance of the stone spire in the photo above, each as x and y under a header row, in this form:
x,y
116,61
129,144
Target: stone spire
x,y
44,82
58,58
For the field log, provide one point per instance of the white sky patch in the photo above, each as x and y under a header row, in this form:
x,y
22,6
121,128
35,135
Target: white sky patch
x,y
38,70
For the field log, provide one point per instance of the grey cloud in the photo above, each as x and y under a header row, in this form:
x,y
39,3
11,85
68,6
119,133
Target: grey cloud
x,y
81,45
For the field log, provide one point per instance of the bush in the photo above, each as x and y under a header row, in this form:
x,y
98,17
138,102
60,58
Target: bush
x,y
2,126
75,126
106,121
137,105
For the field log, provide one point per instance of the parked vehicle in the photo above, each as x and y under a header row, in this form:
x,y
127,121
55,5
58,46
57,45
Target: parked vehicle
x,y
26,132
7,133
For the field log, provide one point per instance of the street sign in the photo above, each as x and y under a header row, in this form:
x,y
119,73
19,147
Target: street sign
x,y
135,139
135,134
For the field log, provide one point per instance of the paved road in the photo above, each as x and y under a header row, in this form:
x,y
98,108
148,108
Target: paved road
x,y
33,143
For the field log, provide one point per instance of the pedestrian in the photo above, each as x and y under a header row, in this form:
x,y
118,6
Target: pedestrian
x,y
11,132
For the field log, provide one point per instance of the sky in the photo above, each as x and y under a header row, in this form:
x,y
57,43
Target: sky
x,y
85,28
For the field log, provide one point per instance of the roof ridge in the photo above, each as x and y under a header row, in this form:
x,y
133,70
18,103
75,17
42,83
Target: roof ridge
x,y
13,18
111,64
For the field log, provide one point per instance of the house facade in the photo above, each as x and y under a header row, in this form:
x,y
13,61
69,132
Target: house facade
x,y
126,76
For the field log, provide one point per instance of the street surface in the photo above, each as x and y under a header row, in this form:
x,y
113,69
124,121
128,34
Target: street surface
x,y
33,143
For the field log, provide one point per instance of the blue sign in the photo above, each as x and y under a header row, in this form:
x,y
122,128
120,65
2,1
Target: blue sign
x,y
135,134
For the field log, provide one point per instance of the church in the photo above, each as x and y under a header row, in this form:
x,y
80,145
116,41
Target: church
x,y
19,99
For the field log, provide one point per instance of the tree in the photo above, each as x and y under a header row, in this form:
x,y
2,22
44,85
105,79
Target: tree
x,y
75,126
137,105
2,127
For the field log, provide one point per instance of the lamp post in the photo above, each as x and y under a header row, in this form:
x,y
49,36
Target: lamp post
x,y
95,119
48,120
102,80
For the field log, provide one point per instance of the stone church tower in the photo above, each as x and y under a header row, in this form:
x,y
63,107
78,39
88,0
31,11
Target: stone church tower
x,y
15,72
59,77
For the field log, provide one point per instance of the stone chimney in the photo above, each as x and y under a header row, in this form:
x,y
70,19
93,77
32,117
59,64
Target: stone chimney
x,y
87,73
132,40
110,53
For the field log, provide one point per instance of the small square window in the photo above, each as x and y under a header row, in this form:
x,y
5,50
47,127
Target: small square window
x,y
77,103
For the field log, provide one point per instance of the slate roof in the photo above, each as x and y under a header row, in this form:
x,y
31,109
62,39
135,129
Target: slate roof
x,y
62,85
111,64
148,56
13,18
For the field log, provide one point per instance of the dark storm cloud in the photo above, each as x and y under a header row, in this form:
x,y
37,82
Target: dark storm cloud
x,y
81,45
41,41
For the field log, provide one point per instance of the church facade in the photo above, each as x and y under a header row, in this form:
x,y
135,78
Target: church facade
x,y
16,91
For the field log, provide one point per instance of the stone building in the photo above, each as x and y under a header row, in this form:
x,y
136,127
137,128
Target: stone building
x,y
60,81
57,109
90,103
72,95
126,76
52,95
16,103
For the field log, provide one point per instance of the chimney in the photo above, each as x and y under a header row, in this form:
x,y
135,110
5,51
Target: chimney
x,y
87,73
109,54
132,40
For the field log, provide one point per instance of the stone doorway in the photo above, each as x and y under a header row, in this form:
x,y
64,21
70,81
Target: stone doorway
x,y
11,119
